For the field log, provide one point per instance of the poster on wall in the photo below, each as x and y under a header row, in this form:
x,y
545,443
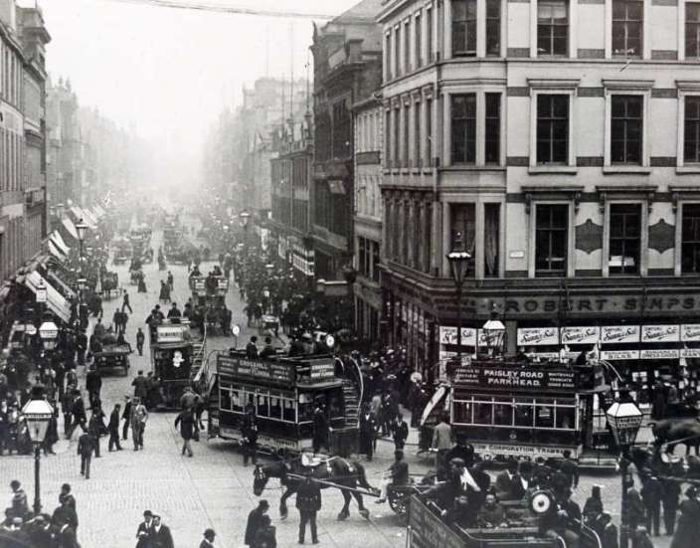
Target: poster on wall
x,y
538,336
580,335
619,334
661,333
448,335
690,332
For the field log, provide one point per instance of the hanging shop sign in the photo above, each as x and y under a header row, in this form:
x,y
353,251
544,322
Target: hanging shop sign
x,y
619,334
661,333
580,335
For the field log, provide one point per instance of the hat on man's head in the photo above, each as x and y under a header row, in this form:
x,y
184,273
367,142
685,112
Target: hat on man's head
x,y
148,514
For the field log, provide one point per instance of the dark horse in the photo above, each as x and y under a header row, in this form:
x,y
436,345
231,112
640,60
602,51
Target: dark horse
x,y
650,460
335,470
673,432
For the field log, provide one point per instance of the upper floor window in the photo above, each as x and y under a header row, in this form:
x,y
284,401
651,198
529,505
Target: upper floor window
x,y
628,20
626,125
691,130
493,27
551,239
463,230
625,238
492,137
397,52
417,22
464,129
464,27
690,252
429,35
692,29
552,27
428,131
552,129
406,48
387,49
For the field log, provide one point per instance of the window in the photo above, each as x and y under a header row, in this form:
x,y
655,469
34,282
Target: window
x,y
388,160
551,239
407,48
690,239
464,27
626,129
375,261
692,29
397,52
417,22
492,217
552,27
464,129
625,238
493,27
387,42
463,230
492,137
429,35
397,137
363,257
406,135
429,132
691,130
628,18
416,134
552,129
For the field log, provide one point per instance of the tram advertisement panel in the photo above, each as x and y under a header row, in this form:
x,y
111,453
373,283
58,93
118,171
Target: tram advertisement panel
x,y
428,531
256,370
525,378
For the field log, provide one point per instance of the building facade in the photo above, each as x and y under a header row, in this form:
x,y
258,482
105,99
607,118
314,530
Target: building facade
x,y
557,143
347,70
22,135
291,200
367,118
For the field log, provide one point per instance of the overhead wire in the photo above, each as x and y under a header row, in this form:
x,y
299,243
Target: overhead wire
x,y
223,8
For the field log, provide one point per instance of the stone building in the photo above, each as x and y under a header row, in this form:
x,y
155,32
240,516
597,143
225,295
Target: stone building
x,y
557,142
347,70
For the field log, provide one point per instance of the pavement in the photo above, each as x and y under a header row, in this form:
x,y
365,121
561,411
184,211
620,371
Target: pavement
x,y
212,489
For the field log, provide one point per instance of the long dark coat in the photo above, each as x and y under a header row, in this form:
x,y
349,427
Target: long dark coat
x,y
688,528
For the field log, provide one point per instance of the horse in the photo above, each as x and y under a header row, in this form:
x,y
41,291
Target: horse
x,y
673,432
650,460
336,470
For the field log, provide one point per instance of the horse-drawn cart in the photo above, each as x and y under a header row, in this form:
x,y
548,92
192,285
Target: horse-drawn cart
x,y
110,282
114,355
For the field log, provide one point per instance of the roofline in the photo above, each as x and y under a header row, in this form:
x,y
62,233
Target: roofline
x,y
389,9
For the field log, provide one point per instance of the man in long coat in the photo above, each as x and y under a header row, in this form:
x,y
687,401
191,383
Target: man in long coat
x,y
254,521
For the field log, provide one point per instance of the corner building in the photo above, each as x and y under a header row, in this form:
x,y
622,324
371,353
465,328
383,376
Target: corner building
x,y
559,142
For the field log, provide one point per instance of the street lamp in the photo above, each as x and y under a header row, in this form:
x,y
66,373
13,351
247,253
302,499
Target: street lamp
x,y
48,333
624,419
38,414
494,331
82,229
245,219
459,260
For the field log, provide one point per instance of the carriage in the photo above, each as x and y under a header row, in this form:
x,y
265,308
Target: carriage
x,y
509,410
122,251
110,282
174,357
114,355
283,392
426,529
209,298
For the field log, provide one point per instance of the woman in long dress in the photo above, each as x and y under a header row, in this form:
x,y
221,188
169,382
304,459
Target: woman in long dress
x,y
688,528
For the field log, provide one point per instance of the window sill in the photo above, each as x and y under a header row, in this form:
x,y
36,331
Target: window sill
x,y
688,170
543,170
627,170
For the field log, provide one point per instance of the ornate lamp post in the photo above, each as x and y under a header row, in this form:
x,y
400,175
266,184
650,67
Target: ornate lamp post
x,y
459,261
625,419
245,220
82,229
38,413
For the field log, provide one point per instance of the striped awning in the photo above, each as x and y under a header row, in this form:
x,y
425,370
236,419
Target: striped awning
x,y
56,238
55,250
54,300
70,227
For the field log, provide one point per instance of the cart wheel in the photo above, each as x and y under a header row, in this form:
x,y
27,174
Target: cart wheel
x,y
398,502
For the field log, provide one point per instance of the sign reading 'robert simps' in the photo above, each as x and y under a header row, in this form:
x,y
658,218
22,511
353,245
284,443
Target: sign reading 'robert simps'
x,y
495,377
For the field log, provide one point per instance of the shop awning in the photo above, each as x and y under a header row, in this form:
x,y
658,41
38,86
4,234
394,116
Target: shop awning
x,y
70,227
54,300
54,250
99,210
60,283
56,238
89,218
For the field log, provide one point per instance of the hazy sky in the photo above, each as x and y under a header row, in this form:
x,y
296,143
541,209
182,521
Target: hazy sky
x,y
169,72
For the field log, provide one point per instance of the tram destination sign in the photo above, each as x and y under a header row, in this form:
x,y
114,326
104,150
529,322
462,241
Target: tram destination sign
x,y
508,377
259,370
